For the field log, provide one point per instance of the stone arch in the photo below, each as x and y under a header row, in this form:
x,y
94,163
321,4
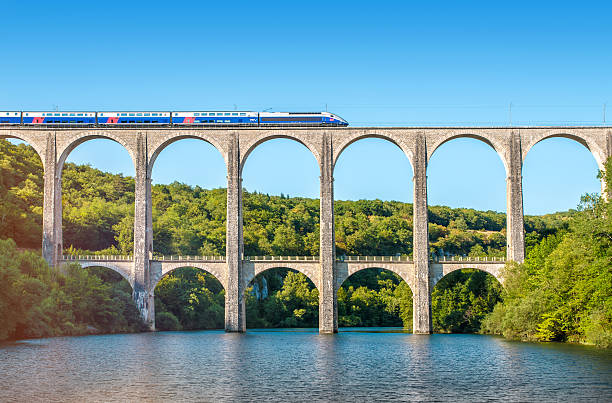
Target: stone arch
x,y
36,143
310,140
81,137
198,135
404,271
597,146
396,138
496,143
496,270
308,269
117,269
168,268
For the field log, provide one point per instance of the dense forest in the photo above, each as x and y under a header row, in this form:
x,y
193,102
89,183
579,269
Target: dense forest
x,y
98,217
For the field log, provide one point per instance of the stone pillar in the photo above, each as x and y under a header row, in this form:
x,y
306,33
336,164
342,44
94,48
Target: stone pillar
x,y
142,293
515,228
607,193
52,205
235,312
421,319
328,300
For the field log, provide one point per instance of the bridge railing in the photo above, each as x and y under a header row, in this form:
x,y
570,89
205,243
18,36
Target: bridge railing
x,y
188,258
374,259
105,258
483,259
282,258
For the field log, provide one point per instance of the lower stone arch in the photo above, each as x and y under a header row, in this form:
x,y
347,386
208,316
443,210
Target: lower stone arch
x,y
168,268
308,269
463,297
383,304
496,270
297,309
206,300
404,271
124,272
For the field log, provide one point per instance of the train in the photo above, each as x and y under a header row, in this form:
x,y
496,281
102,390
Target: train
x,y
191,118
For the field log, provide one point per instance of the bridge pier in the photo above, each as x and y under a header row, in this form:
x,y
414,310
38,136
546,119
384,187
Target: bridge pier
x,y
515,226
142,288
421,300
328,299
235,310
52,205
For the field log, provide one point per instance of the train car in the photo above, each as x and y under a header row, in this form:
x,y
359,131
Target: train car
x,y
133,118
10,117
215,118
300,119
58,118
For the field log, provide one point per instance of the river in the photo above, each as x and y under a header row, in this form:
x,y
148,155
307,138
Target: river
x,y
300,365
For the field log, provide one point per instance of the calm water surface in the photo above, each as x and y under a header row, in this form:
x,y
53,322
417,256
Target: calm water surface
x,y
300,365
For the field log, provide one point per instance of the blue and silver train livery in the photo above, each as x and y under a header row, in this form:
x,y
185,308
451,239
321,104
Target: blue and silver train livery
x,y
154,118
127,118
58,118
10,117
215,117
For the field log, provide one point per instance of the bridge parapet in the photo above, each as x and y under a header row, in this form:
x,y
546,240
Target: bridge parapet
x,y
104,258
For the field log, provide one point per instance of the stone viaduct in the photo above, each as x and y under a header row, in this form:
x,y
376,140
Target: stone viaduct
x,y
234,270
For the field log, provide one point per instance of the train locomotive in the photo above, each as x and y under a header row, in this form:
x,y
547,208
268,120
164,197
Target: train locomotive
x,y
150,118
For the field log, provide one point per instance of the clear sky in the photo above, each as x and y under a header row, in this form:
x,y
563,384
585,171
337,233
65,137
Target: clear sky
x,y
379,64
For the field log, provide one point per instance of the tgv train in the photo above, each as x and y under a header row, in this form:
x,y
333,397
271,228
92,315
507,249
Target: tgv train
x,y
204,118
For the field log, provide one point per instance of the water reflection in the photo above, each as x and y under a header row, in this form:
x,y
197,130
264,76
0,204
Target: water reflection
x,y
298,365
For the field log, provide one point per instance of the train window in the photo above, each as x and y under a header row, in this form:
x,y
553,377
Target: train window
x,y
227,114
234,114
139,114
154,114
147,114
131,114
79,114
124,114
64,114
196,114
243,114
72,114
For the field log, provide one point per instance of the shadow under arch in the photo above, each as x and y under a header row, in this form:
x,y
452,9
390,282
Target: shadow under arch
x,y
293,294
491,142
387,302
592,146
463,297
267,136
193,136
373,135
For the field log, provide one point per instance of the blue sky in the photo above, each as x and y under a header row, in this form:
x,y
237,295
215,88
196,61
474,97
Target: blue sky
x,y
379,64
